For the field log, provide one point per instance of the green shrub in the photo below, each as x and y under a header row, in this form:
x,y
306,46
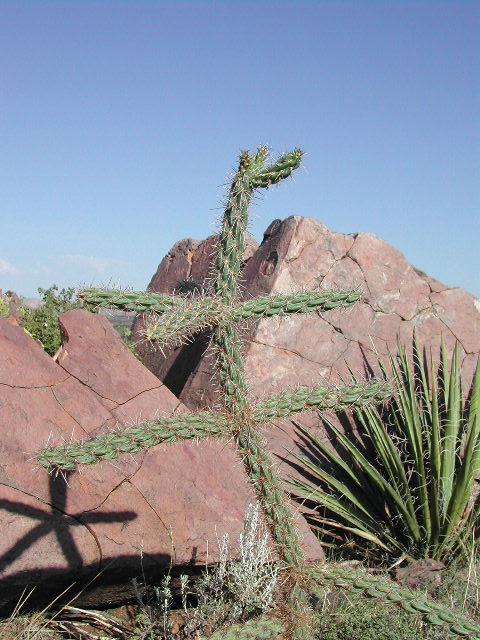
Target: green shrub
x,y
412,494
4,305
42,323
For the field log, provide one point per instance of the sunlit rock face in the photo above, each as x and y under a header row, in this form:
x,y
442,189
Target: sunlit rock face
x,y
284,351
138,514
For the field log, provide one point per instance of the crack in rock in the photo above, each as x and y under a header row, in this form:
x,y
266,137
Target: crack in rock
x,y
41,386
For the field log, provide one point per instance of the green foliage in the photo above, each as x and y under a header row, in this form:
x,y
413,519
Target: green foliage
x,y
415,497
4,305
358,618
42,323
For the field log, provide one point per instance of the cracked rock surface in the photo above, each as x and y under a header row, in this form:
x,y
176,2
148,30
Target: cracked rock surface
x,y
282,352
140,513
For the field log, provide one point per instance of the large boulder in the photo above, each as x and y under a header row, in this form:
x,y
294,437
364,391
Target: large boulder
x,y
284,351
135,516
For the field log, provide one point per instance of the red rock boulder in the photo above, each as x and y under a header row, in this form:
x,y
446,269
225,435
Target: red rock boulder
x,y
281,352
138,514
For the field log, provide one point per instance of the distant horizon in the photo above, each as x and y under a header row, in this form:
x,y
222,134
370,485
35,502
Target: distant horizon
x,y
120,122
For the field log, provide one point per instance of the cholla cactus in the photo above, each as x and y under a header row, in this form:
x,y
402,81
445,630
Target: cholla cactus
x,y
177,318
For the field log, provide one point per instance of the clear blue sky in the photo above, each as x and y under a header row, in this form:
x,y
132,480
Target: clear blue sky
x,y
120,122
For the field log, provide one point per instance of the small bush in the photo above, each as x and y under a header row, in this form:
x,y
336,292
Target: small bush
x,y
4,305
42,323
235,590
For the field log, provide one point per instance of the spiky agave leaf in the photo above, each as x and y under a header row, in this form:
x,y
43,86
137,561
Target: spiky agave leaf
x,y
406,486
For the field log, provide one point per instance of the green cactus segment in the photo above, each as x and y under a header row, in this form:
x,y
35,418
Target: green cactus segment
x,y
268,485
299,614
281,169
185,319
110,446
230,249
192,315
231,243
307,302
379,587
321,399
138,301
207,425
263,628
231,370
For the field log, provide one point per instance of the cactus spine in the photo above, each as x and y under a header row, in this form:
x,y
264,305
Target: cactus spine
x,y
180,318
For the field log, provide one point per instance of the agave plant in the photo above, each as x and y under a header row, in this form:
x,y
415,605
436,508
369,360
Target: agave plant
x,y
409,491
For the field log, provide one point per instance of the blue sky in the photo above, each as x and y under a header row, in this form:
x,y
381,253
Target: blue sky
x,y
120,122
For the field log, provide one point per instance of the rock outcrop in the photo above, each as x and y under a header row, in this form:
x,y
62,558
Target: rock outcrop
x,y
281,352
145,512
139,514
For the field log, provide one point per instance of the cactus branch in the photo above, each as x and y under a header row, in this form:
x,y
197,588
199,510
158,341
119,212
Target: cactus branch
x,y
203,425
138,301
192,315
110,446
338,398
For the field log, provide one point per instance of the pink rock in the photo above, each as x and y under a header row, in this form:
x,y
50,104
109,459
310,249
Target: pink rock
x,y
167,504
281,352
301,253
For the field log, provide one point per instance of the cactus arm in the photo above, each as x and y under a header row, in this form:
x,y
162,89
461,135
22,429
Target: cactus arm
x,y
231,243
379,587
192,315
337,398
206,425
112,445
230,249
138,301
307,302
264,628
281,169
268,485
